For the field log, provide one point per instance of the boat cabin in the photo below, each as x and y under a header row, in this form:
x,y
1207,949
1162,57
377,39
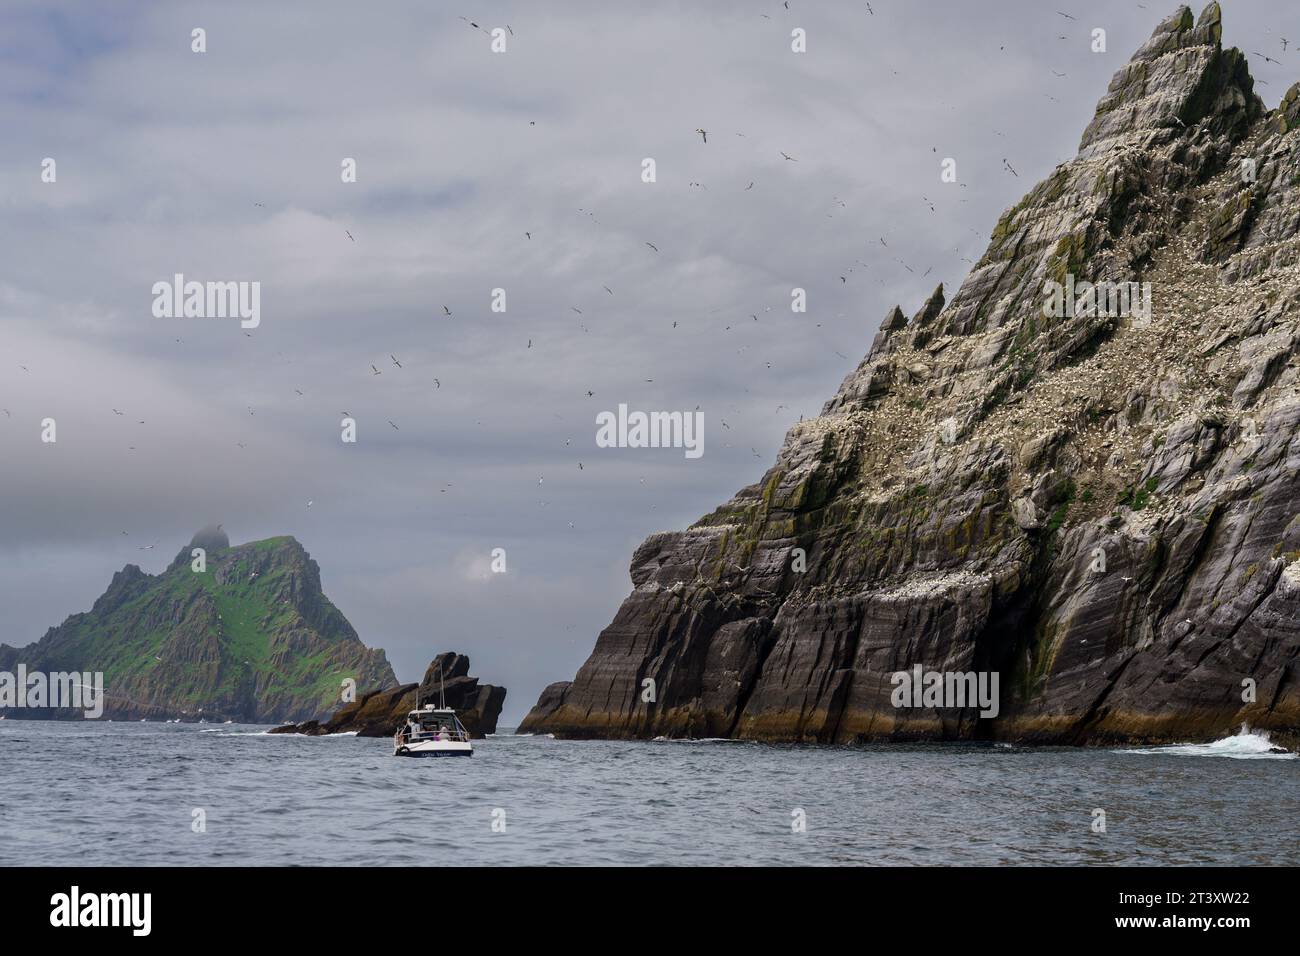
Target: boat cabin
x,y
434,723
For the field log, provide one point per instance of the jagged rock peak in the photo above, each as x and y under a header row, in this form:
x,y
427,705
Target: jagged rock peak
x,y
126,584
1211,22
922,324
893,322
931,309
446,667
1180,77
210,538
1288,111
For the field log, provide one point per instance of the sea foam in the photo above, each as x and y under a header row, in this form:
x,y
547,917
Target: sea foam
x,y
1243,745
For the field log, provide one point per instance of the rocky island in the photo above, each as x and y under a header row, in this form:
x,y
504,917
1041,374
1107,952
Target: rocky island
x,y
1100,504
243,633
380,712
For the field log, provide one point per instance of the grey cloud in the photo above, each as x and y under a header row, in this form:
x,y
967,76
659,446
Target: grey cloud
x,y
162,155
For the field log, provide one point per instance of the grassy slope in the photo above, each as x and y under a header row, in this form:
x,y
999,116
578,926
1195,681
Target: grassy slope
x,y
264,656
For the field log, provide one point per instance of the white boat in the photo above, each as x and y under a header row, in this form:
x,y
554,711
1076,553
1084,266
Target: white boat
x,y
432,732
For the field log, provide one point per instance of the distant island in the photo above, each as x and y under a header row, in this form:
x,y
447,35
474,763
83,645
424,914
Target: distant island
x,y
249,637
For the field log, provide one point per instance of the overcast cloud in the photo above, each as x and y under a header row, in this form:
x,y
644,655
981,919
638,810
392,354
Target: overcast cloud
x,y
226,165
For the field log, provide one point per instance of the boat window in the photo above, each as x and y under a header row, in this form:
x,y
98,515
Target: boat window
x,y
445,722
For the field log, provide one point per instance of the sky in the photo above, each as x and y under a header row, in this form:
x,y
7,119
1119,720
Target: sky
x,y
479,170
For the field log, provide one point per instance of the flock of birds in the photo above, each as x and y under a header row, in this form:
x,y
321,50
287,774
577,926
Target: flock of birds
x,y
707,139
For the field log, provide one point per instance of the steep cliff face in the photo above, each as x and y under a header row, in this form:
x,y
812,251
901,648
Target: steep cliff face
x,y
1104,509
381,712
250,638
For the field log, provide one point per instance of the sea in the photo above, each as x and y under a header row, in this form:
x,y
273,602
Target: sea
x,y
133,794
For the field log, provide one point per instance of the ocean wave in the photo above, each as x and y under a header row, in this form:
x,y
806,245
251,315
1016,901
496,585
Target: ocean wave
x,y
698,740
1243,745
267,733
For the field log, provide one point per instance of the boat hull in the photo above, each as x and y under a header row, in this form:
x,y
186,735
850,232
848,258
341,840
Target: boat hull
x,y
435,749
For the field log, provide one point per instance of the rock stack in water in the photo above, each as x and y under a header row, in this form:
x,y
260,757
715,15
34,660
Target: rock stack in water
x,y
380,713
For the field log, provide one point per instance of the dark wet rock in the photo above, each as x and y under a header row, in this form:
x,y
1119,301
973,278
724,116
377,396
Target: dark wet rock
x,y
379,713
1102,507
549,702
